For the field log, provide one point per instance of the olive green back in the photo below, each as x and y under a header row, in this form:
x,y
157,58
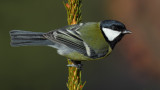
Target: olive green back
x,y
93,36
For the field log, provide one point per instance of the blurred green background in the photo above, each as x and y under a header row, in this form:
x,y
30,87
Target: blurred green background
x,y
133,65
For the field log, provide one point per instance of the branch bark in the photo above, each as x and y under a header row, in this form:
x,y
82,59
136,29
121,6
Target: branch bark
x,y
74,16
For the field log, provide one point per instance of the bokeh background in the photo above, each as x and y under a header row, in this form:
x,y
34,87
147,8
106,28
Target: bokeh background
x,y
133,65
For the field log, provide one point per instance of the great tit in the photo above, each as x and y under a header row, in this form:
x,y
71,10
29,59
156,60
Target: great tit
x,y
79,42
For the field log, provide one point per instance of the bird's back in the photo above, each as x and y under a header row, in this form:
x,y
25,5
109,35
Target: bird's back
x,y
93,36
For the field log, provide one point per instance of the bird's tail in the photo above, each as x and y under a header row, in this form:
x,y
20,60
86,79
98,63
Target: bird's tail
x,y
28,38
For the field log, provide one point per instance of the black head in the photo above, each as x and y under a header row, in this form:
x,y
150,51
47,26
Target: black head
x,y
113,31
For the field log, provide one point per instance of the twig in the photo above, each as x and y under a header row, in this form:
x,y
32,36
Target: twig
x,y
73,8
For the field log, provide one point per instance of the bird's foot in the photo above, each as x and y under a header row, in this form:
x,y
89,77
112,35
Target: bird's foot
x,y
79,66
76,64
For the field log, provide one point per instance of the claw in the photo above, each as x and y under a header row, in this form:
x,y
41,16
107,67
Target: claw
x,y
76,64
79,66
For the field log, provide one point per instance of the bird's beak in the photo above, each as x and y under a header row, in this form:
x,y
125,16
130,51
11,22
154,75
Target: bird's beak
x,y
126,32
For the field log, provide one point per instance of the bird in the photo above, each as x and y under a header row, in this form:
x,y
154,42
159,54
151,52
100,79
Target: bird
x,y
79,42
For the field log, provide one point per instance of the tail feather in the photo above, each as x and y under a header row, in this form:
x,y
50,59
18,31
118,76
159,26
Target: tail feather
x,y
28,38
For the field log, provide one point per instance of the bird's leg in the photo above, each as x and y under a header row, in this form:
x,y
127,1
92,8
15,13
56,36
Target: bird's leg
x,y
76,64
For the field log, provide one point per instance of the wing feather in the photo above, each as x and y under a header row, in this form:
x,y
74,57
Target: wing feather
x,y
70,37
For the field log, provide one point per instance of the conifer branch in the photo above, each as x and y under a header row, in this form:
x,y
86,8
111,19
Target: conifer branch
x,y
74,16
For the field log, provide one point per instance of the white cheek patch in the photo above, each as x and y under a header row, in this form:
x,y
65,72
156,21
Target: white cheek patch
x,y
111,34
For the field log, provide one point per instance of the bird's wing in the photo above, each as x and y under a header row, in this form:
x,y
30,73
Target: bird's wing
x,y
70,37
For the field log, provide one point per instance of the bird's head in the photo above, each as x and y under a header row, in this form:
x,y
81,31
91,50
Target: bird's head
x,y
113,31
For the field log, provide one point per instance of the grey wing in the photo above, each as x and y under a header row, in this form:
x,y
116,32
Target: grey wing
x,y
70,37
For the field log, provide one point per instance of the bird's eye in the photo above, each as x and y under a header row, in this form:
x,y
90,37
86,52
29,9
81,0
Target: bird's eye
x,y
114,28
